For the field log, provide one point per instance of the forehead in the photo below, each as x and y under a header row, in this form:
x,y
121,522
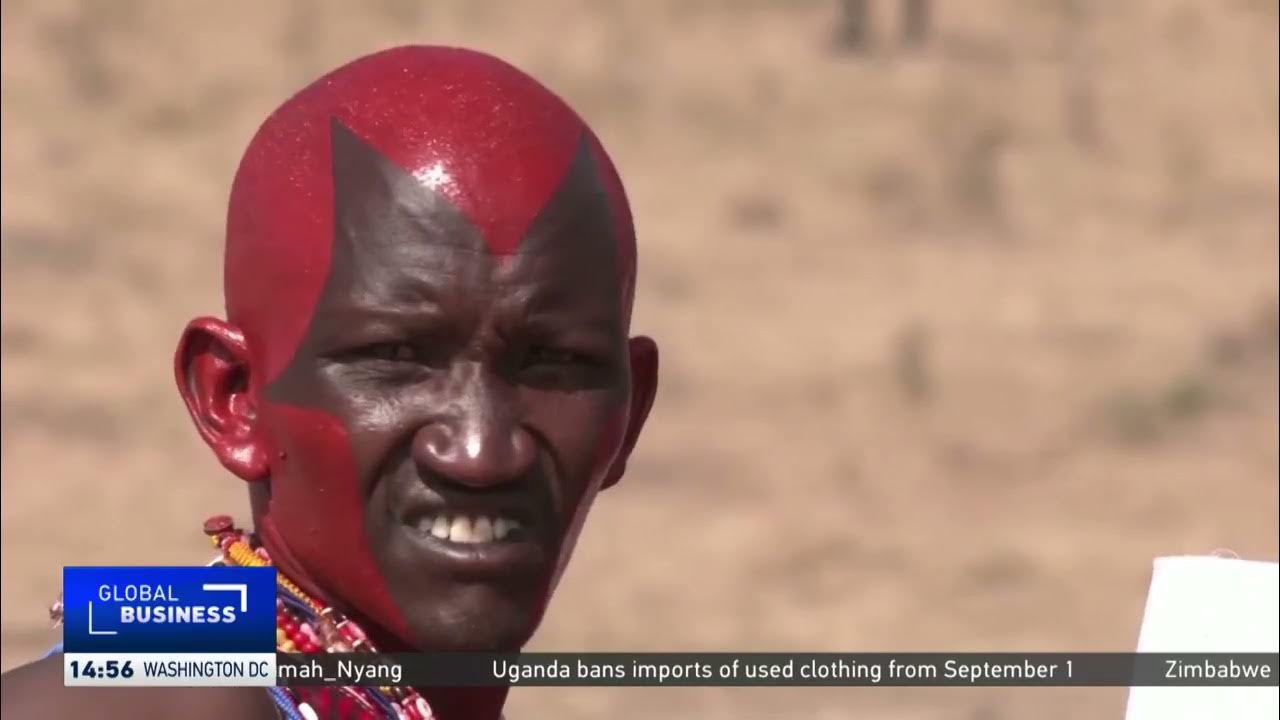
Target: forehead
x,y
398,236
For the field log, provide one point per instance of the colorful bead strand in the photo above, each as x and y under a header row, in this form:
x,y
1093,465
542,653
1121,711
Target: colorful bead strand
x,y
306,625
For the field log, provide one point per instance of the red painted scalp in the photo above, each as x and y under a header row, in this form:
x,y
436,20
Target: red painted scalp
x,y
488,137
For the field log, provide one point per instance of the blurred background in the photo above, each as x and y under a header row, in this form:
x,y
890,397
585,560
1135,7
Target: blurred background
x,y
969,310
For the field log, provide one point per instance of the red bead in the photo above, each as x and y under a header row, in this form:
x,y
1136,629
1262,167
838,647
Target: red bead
x,y
218,524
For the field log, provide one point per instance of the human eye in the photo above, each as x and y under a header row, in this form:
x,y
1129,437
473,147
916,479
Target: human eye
x,y
384,362
388,352
539,357
565,368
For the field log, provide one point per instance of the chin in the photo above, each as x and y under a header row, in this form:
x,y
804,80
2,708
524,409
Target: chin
x,y
475,618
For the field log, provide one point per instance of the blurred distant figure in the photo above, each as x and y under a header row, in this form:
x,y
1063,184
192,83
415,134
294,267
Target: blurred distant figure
x,y
915,22
853,32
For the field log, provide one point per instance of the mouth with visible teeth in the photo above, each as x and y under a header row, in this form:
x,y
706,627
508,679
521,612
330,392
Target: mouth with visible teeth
x,y
469,529
476,542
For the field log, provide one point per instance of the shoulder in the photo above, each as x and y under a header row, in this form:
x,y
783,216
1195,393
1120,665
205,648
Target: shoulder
x,y
37,691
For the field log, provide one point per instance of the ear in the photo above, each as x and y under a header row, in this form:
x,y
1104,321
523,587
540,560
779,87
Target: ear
x,y
644,388
211,367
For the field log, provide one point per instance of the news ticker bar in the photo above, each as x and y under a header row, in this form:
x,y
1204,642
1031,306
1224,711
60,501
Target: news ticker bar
x,y
677,669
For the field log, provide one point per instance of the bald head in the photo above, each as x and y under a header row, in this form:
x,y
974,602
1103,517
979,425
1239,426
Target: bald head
x,y
487,140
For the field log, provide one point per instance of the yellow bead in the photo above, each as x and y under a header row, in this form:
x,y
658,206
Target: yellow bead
x,y
297,592
288,646
280,636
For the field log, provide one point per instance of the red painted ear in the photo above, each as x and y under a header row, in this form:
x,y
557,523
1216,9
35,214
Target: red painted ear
x,y
212,370
644,388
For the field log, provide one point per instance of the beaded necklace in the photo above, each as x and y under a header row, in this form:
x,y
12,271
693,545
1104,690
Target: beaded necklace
x,y
304,624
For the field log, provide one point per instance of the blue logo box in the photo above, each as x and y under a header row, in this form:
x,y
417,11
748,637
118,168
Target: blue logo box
x,y
169,609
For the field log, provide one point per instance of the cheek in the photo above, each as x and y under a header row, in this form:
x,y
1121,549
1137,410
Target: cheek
x,y
613,426
604,449
584,434
314,455
317,509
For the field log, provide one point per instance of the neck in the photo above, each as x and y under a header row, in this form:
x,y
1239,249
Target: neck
x,y
483,703
285,562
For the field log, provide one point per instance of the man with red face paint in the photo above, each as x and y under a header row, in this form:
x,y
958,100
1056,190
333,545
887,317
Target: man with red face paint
x,y
424,378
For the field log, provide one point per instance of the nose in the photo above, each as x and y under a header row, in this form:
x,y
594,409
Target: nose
x,y
477,441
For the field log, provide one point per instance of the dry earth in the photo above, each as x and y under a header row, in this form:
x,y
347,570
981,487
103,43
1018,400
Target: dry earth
x,y
957,338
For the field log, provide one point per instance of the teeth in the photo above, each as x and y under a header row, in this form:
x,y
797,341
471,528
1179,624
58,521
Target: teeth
x,y
460,530
463,529
440,528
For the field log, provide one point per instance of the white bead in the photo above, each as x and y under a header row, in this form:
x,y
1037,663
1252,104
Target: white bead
x,y
308,712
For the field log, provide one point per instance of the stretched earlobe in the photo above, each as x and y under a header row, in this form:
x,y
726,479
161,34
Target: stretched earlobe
x,y
211,367
644,388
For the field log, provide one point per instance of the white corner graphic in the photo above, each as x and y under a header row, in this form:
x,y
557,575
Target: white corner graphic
x,y
98,632
232,587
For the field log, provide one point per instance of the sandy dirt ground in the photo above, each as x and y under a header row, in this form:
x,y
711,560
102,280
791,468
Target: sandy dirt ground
x,y
957,337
